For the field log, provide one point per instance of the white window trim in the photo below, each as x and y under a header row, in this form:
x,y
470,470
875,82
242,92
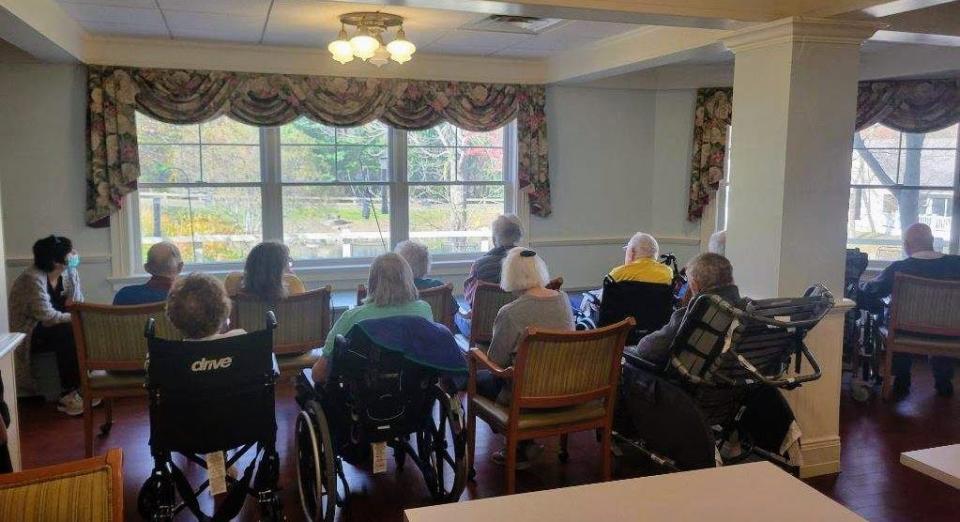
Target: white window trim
x,y
125,234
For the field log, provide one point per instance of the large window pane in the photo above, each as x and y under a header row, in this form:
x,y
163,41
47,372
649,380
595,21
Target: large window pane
x,y
356,163
208,224
878,216
454,218
314,153
169,163
336,221
231,163
932,168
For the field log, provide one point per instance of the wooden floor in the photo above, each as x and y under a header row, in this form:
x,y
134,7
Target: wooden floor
x,y
873,482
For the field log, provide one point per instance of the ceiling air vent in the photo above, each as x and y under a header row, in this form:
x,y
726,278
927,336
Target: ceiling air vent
x,y
512,24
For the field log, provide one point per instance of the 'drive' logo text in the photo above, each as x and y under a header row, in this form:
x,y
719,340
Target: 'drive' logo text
x,y
205,364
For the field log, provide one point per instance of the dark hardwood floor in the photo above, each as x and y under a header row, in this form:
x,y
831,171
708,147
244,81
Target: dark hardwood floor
x,y
873,482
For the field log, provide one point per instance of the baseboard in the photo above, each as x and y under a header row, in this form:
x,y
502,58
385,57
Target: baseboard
x,y
820,457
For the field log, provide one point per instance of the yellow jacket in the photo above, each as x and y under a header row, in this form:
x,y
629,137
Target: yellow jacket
x,y
644,270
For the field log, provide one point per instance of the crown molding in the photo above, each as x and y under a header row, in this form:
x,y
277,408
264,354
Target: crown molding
x,y
185,54
801,30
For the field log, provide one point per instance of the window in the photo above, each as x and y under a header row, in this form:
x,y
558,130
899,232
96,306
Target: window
x,y
898,179
331,194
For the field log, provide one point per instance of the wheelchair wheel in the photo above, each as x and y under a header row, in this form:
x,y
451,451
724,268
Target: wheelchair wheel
x,y
156,499
441,445
316,469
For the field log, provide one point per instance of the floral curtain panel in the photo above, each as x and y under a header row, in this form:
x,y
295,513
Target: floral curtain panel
x,y
712,116
178,96
904,105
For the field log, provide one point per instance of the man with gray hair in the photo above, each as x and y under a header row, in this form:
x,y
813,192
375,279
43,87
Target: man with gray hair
x,y
164,265
641,262
506,234
708,273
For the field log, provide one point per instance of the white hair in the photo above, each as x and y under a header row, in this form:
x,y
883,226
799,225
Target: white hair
x,y
522,270
643,245
416,255
506,230
718,242
391,281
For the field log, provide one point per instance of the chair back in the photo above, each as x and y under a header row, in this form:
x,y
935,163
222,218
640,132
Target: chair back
x,y
111,337
89,490
361,293
925,306
440,299
565,368
649,304
211,395
487,302
303,319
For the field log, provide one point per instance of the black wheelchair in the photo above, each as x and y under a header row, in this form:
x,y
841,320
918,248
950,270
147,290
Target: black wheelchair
x,y
862,338
208,397
377,396
649,304
718,401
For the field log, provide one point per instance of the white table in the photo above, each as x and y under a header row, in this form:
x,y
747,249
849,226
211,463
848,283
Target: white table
x,y
748,492
8,344
941,463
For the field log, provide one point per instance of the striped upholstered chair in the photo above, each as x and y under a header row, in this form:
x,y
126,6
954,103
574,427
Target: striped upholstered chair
x,y
111,351
487,302
89,490
440,299
923,320
303,322
563,382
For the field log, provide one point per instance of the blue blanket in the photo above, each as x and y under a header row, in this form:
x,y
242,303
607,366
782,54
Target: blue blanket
x,y
422,341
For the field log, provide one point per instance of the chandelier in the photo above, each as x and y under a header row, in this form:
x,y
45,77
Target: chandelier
x,y
367,42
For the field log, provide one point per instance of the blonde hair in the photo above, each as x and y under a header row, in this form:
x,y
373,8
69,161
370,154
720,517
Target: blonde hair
x,y
198,305
523,269
391,281
416,255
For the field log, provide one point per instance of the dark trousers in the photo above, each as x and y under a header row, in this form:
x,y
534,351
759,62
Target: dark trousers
x,y
59,340
942,367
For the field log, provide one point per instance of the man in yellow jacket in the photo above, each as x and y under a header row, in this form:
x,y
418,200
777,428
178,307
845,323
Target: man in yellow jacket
x,y
640,263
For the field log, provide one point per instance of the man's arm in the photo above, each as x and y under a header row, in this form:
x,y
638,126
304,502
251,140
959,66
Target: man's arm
x,y
882,285
655,347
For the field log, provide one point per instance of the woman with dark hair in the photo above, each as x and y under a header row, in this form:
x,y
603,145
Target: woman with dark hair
x,y
267,274
39,299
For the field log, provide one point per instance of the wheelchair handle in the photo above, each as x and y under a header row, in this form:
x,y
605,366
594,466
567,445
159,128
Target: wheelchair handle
x,y
784,382
149,329
271,320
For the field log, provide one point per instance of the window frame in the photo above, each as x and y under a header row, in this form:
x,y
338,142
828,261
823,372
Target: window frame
x,y
880,264
126,235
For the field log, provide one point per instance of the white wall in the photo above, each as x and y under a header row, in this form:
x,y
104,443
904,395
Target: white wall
x,y
619,163
42,165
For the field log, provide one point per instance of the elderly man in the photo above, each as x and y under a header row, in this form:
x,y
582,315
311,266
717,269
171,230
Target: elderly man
x,y
640,262
922,261
164,265
708,273
506,234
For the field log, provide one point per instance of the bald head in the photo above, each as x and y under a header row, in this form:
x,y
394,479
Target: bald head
x,y
917,238
163,259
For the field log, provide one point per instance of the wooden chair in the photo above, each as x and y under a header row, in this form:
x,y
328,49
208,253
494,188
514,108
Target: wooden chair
x,y
111,352
923,320
303,322
361,293
441,301
563,382
487,302
89,490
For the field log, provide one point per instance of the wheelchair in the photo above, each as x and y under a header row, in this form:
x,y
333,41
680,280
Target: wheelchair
x,y
862,339
720,391
380,392
207,397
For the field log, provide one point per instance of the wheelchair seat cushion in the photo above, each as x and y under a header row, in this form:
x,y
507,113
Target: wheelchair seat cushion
x,y
420,340
498,414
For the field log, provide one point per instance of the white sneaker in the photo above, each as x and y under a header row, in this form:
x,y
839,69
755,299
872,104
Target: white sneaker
x,y
71,404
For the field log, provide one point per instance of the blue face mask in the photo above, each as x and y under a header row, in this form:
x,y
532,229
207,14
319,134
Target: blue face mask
x,y
73,261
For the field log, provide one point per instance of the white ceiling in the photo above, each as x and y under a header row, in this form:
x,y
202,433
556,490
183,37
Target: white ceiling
x,y
311,23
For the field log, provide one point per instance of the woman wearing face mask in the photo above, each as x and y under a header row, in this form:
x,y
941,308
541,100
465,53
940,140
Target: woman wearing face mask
x,y
38,303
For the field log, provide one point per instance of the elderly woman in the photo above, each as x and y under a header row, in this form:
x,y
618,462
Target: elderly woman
x,y
267,274
524,273
39,298
390,293
199,307
640,262
418,257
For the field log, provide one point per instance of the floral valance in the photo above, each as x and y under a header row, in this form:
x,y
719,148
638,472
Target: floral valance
x,y
185,97
904,105
710,122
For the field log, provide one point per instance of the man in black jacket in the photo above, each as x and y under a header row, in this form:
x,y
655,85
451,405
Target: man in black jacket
x,y
922,261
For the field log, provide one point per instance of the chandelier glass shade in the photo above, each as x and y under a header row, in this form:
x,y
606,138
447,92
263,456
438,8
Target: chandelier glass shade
x,y
367,43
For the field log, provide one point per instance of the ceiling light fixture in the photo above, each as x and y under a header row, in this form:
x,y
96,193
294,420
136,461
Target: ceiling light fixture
x,y
367,42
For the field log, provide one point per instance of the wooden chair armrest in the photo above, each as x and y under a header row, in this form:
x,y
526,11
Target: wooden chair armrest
x,y
477,356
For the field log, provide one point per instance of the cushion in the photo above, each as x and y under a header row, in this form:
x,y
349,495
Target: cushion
x,y
72,497
112,379
539,418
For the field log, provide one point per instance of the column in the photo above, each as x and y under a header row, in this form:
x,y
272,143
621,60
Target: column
x,y
794,106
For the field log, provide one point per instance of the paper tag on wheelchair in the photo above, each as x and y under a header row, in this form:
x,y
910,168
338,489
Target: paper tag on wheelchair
x,y
216,472
379,457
